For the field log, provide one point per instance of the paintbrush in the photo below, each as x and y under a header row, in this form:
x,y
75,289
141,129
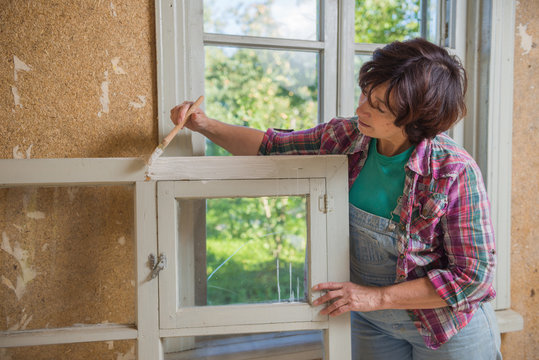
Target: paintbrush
x,y
161,148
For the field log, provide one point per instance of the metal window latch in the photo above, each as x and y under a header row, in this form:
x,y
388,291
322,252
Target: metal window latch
x,y
157,264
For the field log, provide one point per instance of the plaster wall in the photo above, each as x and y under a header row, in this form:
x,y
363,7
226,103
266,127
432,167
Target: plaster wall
x,y
525,185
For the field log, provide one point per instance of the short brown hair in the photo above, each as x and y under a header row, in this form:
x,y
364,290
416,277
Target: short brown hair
x,y
425,84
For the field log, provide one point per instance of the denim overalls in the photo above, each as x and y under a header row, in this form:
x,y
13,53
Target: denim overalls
x,y
391,334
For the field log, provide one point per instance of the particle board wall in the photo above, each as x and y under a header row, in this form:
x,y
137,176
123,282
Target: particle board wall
x,y
77,79
525,186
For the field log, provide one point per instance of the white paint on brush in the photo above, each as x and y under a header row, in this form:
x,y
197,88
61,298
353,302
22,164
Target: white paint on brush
x,y
104,98
139,105
117,70
36,215
27,272
16,96
19,66
525,39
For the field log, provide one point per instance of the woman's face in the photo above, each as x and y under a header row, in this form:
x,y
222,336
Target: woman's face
x,y
377,121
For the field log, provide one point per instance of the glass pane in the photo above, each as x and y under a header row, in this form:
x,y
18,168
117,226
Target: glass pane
x,y
261,88
359,60
268,18
66,256
255,250
279,345
384,21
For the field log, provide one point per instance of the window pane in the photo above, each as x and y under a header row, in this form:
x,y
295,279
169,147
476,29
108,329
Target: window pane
x,y
255,250
261,88
359,60
278,18
384,21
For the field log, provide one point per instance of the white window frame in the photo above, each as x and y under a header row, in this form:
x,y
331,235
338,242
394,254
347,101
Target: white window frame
x,y
494,156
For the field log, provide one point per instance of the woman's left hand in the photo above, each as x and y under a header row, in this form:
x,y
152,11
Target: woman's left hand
x,y
342,297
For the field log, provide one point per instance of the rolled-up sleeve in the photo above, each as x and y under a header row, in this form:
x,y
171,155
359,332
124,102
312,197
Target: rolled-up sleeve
x,y
469,244
304,142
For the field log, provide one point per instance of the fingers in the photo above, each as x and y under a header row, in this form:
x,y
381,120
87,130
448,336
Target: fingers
x,y
328,286
177,113
328,297
336,308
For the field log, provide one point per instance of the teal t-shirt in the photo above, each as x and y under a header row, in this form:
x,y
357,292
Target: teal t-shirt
x,y
380,183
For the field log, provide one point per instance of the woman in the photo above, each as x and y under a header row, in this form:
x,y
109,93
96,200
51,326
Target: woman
x,y
421,239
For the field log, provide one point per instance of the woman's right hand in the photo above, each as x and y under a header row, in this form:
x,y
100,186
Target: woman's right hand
x,y
198,121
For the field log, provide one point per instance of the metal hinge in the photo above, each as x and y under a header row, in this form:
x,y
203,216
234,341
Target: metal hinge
x,y
157,264
325,203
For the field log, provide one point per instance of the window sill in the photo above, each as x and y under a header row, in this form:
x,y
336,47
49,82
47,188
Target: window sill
x,y
509,320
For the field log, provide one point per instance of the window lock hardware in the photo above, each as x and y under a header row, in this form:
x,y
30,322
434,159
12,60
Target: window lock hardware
x,y
157,264
326,203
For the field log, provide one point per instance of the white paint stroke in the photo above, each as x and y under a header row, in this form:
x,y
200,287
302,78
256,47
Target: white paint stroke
x,y
22,324
121,240
117,70
36,215
525,39
113,10
140,105
19,66
28,273
16,96
104,98
130,355
17,154
110,344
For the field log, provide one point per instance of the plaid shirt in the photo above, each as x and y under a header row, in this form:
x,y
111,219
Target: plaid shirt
x,y
445,231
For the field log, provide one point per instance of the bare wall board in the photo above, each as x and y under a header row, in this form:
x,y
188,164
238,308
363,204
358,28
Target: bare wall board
x,y
77,79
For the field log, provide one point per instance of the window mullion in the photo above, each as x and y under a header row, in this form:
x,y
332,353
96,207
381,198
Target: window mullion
x,y
328,60
346,77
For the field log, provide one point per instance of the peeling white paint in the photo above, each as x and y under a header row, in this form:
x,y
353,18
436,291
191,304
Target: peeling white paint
x,y
36,215
133,283
113,10
525,39
104,98
117,70
16,96
28,273
121,240
71,192
130,355
22,324
110,344
140,105
19,66
17,154
45,247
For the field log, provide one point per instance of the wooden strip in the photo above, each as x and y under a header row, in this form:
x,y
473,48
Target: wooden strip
x,y
262,42
245,167
509,320
149,344
68,335
71,171
244,329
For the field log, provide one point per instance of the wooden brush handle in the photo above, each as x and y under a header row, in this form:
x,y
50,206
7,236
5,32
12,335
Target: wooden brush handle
x,y
180,125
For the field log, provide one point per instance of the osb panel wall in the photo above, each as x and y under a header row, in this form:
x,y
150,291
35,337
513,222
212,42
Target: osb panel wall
x,y
525,186
77,79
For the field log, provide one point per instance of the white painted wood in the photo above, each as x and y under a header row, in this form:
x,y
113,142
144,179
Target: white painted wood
x,y
498,177
244,167
329,15
180,68
83,171
68,335
240,188
509,320
261,42
245,329
246,314
149,344
347,81
337,339
317,240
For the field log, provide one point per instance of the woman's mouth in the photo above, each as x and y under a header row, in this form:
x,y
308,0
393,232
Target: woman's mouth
x,y
362,123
